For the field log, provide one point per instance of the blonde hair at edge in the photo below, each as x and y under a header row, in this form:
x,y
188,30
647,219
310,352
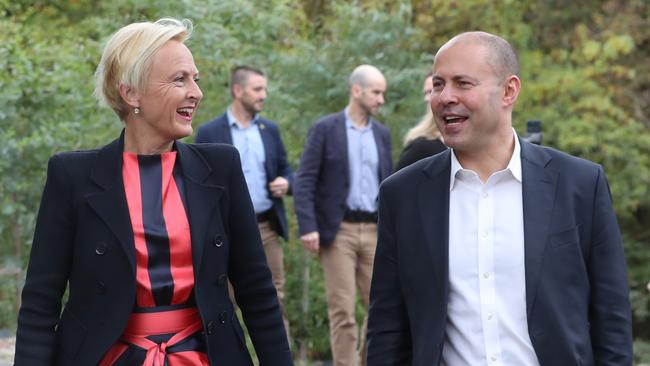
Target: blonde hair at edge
x,y
127,57
425,128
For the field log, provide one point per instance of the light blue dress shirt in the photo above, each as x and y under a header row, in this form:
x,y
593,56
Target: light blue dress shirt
x,y
363,162
248,142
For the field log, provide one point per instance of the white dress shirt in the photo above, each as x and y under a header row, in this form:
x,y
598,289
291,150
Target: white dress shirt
x,y
486,312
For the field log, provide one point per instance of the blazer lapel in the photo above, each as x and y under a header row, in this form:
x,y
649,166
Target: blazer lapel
x,y
433,204
224,130
341,136
110,202
202,198
268,152
382,153
538,189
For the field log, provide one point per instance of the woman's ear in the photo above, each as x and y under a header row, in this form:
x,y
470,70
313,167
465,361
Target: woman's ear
x,y
130,95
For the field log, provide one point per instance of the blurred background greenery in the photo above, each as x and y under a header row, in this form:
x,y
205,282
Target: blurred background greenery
x,y
585,72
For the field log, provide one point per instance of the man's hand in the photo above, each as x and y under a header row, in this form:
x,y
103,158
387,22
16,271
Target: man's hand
x,y
279,187
311,241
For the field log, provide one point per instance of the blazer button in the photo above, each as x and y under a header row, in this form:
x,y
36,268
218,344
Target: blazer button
x,y
222,280
223,316
101,248
101,287
218,242
210,329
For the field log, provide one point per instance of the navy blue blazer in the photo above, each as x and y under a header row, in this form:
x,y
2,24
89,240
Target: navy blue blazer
x,y
276,164
323,179
577,301
84,241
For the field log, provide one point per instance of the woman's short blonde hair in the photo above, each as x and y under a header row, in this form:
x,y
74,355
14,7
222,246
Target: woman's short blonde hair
x,y
127,58
425,128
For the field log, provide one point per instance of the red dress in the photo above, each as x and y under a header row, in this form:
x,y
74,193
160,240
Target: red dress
x,y
165,328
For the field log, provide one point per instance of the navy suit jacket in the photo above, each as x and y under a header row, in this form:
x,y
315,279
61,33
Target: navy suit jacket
x,y
323,179
276,165
84,241
577,302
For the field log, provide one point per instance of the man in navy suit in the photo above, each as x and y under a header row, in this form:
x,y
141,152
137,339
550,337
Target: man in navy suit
x,y
496,252
346,156
264,161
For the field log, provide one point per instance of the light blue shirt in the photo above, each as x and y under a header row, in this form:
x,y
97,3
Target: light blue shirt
x,y
248,142
363,163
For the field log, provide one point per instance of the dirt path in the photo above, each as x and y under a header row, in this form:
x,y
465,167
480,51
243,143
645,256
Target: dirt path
x,y
7,347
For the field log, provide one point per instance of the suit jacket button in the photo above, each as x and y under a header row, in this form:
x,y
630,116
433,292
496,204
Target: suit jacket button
x,y
222,280
210,329
100,249
101,287
218,242
223,316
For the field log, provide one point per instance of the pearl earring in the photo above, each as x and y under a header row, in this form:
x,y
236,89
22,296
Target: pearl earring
x,y
136,110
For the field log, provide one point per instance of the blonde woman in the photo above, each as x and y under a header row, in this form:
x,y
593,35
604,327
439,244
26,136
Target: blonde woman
x,y
423,139
146,231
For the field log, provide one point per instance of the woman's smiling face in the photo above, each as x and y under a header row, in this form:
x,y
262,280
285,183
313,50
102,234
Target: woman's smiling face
x,y
171,94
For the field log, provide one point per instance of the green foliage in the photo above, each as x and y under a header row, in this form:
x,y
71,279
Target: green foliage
x,y
585,74
45,108
641,352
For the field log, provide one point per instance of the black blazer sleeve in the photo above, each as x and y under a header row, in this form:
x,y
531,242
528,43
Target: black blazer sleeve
x,y
251,277
610,317
307,178
389,336
284,169
47,272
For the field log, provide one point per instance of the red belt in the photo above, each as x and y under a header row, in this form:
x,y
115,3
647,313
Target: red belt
x,y
182,322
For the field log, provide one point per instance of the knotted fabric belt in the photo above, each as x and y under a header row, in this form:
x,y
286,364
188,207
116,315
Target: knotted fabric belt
x,y
182,323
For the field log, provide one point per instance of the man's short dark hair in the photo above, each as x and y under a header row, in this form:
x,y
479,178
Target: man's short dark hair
x,y
239,75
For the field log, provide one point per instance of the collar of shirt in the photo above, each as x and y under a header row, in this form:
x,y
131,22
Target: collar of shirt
x,y
232,121
350,124
514,165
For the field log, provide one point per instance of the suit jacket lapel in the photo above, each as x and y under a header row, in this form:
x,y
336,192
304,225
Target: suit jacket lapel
x,y
538,189
433,204
224,130
266,141
202,198
110,202
341,136
382,153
